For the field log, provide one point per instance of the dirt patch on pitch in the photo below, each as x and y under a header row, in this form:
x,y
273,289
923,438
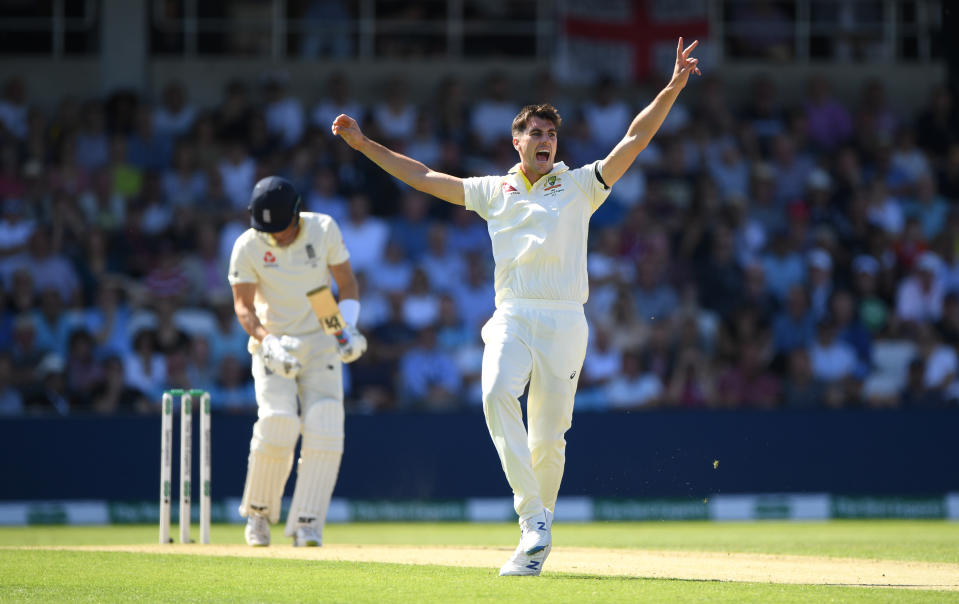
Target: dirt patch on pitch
x,y
656,564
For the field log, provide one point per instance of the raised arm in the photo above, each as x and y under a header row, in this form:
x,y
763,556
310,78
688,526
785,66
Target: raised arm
x,y
415,174
645,125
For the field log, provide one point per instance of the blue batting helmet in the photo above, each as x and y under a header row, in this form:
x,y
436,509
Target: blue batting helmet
x,y
274,205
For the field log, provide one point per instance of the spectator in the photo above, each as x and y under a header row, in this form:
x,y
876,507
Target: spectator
x,y
13,107
83,371
442,265
755,294
467,233
324,197
411,228
940,363
928,207
112,395
603,363
783,266
365,235
693,384
126,178
873,311
11,399
802,389
423,143
376,308
633,388
916,394
185,184
606,114
238,171
430,379
719,275
792,169
231,120
948,326
883,209
147,148
495,108
794,326
748,383
90,147
832,359
233,390
421,307
284,113
228,338
919,296
395,116
175,115
49,395
850,329
146,369
730,171
763,207
16,228
337,100
763,113
828,121
49,268
655,298
819,267
474,295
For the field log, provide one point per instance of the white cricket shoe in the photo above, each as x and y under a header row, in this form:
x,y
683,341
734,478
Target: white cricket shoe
x,y
522,564
257,531
306,537
537,532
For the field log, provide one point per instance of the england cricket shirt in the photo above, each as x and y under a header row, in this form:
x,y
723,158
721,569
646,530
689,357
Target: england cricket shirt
x,y
539,230
283,275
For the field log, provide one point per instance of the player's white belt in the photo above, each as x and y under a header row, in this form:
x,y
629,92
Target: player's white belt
x,y
539,303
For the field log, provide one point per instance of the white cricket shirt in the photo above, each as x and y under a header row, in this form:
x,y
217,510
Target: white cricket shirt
x,y
283,275
539,230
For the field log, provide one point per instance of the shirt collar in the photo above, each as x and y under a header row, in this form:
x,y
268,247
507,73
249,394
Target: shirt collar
x,y
557,168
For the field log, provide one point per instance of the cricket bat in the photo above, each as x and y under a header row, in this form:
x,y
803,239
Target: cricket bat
x,y
327,310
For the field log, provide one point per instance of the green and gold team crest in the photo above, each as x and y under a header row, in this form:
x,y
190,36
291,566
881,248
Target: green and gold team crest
x,y
551,180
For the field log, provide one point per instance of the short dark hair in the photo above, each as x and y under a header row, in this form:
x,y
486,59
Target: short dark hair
x,y
544,111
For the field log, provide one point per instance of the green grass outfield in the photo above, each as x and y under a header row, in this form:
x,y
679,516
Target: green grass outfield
x,y
31,574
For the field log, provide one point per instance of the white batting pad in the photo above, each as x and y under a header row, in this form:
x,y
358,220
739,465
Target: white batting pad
x,y
270,462
318,466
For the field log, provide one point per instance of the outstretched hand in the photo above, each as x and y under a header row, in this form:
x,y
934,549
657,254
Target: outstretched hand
x,y
685,64
347,128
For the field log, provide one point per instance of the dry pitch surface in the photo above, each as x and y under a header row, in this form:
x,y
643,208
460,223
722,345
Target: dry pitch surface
x,y
658,564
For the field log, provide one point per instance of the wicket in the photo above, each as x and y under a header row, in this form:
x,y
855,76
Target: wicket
x,y
186,463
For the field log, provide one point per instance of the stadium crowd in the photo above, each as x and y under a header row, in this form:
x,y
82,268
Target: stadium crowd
x,y
781,253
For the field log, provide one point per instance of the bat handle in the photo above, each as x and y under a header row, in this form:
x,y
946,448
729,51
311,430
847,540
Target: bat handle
x,y
341,337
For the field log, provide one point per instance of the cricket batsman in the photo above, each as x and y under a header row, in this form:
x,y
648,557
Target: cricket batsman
x,y
537,216
297,369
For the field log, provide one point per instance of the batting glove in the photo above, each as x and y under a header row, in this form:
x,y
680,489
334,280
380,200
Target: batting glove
x,y
277,357
351,344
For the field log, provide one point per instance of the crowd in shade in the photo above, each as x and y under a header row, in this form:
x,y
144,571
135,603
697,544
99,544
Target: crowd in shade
x,y
771,254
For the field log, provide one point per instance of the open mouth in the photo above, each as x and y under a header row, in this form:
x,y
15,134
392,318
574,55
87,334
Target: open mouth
x,y
542,155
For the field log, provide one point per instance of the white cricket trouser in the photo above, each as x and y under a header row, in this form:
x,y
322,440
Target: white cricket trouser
x,y
316,396
542,343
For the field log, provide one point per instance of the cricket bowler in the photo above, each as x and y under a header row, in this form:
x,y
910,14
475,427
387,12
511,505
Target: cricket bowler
x,y
297,369
538,217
